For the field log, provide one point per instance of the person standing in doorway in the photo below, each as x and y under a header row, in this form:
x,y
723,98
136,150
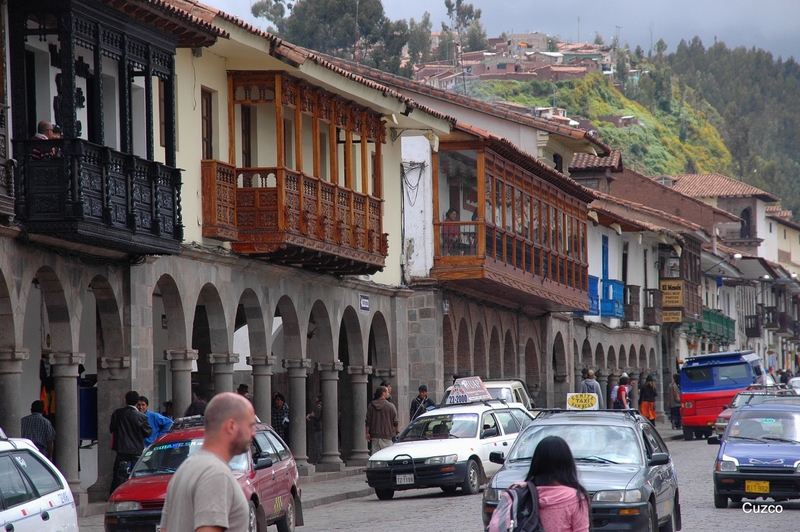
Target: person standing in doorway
x,y
158,423
280,416
38,429
381,422
129,428
420,403
203,495
316,421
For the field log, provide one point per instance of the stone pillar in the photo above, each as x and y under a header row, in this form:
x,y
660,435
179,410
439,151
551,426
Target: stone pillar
x,y
633,373
11,359
329,382
602,376
298,371
578,377
223,370
359,377
64,369
180,366
262,386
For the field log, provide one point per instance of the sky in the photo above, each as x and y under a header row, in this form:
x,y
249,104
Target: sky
x,y
769,24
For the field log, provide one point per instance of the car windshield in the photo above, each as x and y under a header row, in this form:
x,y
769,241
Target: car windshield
x,y
589,443
165,458
501,393
741,399
764,426
442,426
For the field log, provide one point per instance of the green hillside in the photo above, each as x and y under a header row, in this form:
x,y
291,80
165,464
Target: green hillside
x,y
679,136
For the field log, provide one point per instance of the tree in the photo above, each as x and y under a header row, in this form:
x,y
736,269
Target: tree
x,y
598,39
639,52
552,43
462,16
622,69
387,54
446,49
419,39
274,11
661,47
476,38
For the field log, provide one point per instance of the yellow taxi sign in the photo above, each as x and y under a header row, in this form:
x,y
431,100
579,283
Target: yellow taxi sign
x,y
582,401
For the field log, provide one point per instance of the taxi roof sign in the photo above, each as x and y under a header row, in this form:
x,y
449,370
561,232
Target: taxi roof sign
x,y
468,390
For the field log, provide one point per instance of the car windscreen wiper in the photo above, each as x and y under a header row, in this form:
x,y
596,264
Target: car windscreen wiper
x,y
594,459
779,438
746,438
523,459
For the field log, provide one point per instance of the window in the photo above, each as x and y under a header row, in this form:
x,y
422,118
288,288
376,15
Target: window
x,y
522,418
488,423
558,161
770,227
13,488
265,447
283,452
43,479
247,160
207,124
508,422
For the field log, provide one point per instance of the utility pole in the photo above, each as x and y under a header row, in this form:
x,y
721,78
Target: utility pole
x,y
355,47
579,30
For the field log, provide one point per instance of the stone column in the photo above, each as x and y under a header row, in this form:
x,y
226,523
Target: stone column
x,y
298,371
64,369
11,359
578,377
180,366
329,382
359,377
633,373
602,379
262,386
223,370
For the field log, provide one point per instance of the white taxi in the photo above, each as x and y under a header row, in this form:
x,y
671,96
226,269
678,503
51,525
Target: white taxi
x,y
448,448
34,495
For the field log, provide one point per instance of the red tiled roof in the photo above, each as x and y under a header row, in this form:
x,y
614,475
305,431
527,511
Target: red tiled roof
x,y
637,225
187,23
717,185
587,161
644,209
470,102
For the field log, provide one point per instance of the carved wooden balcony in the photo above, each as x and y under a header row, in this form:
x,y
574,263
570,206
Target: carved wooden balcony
x,y
681,301
785,325
294,219
653,306
80,192
492,263
752,326
633,302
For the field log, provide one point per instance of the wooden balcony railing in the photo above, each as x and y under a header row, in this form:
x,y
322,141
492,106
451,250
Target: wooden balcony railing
x,y
752,326
219,201
653,306
785,325
633,303
77,191
770,318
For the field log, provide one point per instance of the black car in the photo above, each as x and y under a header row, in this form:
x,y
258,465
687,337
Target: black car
x,y
622,462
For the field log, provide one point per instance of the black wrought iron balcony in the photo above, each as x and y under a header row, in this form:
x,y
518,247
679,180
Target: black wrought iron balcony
x,y
77,191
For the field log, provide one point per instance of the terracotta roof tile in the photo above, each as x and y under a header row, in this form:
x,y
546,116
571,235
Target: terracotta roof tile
x,y
587,161
644,209
717,185
181,11
639,225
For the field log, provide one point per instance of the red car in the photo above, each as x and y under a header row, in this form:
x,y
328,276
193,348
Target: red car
x,y
268,476
753,396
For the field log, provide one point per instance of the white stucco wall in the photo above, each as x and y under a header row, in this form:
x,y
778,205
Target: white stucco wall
x,y
418,209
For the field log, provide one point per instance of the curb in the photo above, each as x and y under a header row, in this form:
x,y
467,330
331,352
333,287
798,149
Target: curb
x,y
339,497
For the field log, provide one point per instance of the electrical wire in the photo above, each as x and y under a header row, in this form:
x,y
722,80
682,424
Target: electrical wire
x,y
405,169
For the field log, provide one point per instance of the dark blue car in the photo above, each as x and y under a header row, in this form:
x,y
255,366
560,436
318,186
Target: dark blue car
x,y
759,455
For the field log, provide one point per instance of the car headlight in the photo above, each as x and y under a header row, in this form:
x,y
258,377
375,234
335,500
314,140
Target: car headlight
x,y
727,463
123,506
493,494
375,464
721,421
447,459
797,467
687,404
618,496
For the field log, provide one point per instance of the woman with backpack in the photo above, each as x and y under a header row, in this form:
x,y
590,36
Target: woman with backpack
x,y
649,394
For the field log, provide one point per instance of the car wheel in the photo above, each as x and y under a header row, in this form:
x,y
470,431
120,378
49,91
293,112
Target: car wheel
x,y
384,495
672,523
720,501
286,523
652,519
688,434
449,489
472,481
251,518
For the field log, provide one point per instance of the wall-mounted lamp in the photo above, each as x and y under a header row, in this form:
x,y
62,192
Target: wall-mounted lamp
x,y
735,256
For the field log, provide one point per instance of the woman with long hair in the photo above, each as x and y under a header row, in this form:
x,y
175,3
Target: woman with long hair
x,y
622,402
649,394
563,501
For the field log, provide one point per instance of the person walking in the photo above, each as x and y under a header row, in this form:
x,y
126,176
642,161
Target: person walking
x,y
38,429
590,385
244,391
129,428
315,416
420,404
158,423
622,402
381,422
674,401
649,394
203,494
280,416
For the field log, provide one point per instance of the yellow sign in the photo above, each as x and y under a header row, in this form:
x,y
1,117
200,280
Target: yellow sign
x,y
673,292
582,401
672,316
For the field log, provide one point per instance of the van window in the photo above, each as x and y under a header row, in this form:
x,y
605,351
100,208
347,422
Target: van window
x,y
735,372
501,393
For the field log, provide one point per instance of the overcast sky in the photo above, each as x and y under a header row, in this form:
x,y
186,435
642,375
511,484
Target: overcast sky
x,y
769,24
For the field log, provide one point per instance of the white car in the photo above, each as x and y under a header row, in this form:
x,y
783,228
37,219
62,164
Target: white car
x,y
448,448
34,495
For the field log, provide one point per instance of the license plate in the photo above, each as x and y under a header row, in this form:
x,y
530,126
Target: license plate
x,y
756,486
405,479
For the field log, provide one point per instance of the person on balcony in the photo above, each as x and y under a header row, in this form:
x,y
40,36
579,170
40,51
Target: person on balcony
x,y
451,234
44,131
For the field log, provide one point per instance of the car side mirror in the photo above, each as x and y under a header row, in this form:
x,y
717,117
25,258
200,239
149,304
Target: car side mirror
x,y
263,463
497,457
714,440
659,459
489,433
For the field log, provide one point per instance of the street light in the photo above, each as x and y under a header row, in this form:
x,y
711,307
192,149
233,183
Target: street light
x,y
735,256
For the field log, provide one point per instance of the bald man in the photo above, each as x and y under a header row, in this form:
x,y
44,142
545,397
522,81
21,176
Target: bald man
x,y
203,495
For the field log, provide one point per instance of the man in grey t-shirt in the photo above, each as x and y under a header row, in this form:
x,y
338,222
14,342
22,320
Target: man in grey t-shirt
x,y
203,495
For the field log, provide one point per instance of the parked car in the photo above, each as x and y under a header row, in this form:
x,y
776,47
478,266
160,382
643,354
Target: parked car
x,y
622,462
759,454
268,476
447,448
750,397
510,390
34,495
794,382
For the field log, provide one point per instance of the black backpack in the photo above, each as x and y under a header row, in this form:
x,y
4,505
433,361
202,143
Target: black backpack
x,y
518,510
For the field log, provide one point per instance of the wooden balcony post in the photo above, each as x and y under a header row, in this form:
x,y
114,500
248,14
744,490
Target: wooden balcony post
x,y
319,233
231,122
378,166
348,159
364,153
317,170
280,185
333,145
279,137
298,133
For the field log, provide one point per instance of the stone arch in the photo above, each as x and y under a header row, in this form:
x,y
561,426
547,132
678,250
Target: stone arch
x,y
249,313
380,348
58,314
7,330
643,357
600,356
480,369
586,354
495,356
290,328
560,372
633,357
215,315
351,340
509,356
532,375
319,344
559,356
109,317
623,358
653,360
171,298
448,348
612,358
463,362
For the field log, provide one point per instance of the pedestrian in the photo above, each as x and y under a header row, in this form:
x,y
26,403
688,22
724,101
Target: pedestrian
x,y
129,428
168,409
622,402
381,422
315,416
243,390
421,403
197,407
590,385
203,494
280,416
674,401
158,423
388,386
613,394
648,396
38,429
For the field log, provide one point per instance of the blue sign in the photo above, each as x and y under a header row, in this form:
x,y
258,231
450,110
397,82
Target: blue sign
x,y
364,303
